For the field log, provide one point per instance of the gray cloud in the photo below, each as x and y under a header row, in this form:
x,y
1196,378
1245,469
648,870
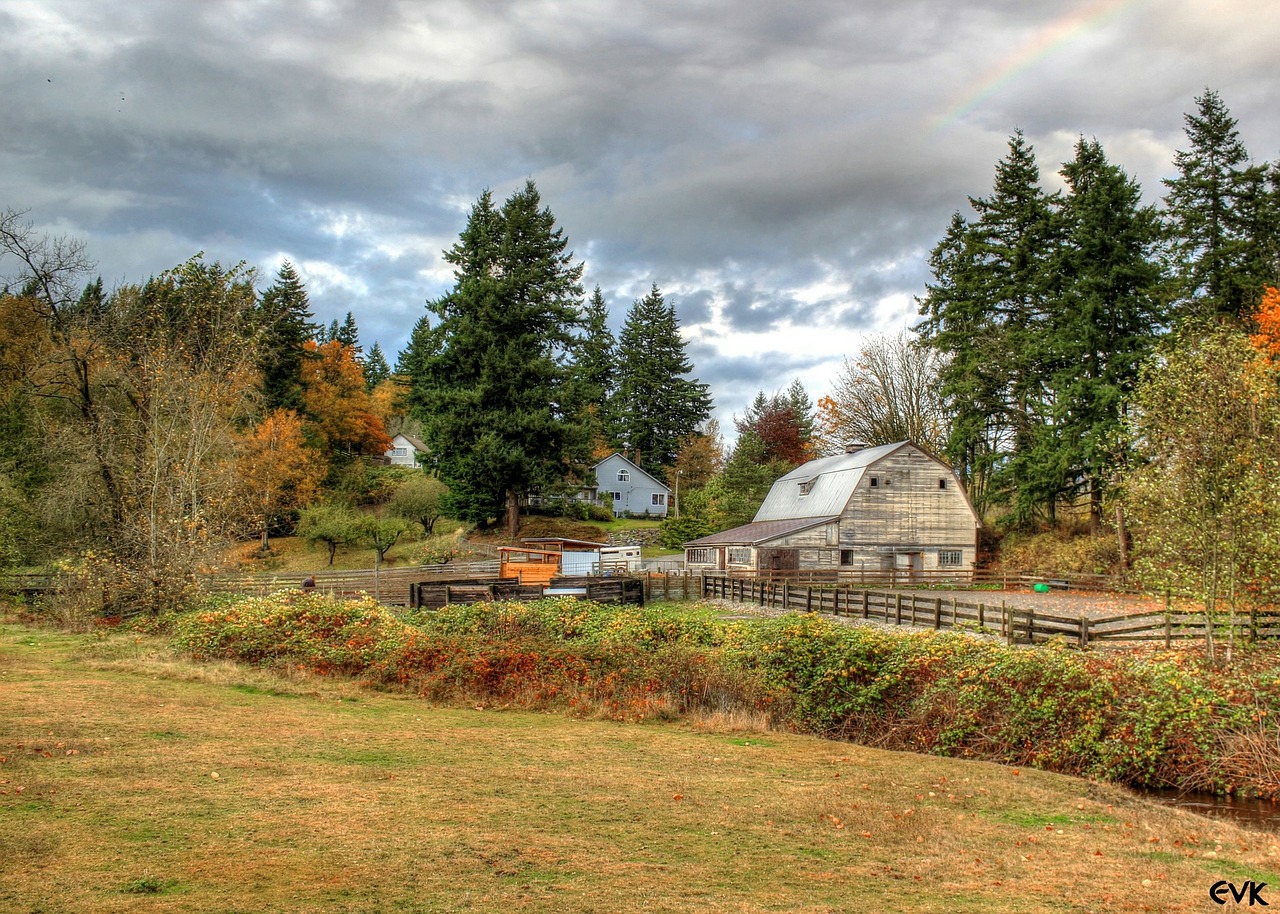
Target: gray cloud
x,y
780,172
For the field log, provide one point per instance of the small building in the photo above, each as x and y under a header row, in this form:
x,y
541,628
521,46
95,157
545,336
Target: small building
x,y
893,508
404,451
627,489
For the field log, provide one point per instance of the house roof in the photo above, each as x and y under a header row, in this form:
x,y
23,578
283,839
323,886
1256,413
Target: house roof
x,y
634,466
418,445
827,483
760,531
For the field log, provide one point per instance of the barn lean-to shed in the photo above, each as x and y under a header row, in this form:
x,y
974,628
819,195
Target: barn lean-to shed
x,y
871,509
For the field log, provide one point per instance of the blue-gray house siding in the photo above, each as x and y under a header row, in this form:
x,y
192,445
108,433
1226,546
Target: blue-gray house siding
x,y
630,489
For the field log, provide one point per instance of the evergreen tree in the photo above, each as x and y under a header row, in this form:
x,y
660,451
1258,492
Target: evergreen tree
x,y
657,405
376,369
284,319
1106,321
347,334
492,380
987,313
1219,214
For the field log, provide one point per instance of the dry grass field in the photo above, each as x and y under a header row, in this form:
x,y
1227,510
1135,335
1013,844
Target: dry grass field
x,y
131,780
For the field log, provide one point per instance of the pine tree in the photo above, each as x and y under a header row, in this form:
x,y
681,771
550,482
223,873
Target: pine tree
x,y
1219,214
284,319
987,313
347,334
1106,321
492,380
376,369
656,405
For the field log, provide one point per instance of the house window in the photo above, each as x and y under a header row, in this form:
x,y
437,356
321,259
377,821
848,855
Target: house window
x,y
659,499
739,555
700,556
624,476
848,557
399,452
942,483
617,496
950,558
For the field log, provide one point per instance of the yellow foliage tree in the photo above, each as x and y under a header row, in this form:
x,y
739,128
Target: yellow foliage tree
x,y
337,401
278,471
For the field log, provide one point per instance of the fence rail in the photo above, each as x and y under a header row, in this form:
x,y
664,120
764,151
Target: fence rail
x,y
958,578
1017,625
390,586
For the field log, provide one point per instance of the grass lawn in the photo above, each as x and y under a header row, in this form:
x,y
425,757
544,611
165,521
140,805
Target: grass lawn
x,y
131,780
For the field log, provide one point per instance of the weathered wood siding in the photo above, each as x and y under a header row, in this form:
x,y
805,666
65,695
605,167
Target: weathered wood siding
x,y
907,511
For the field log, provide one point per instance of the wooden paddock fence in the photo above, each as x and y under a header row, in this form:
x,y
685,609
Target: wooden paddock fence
x,y
961,579
389,586
1015,624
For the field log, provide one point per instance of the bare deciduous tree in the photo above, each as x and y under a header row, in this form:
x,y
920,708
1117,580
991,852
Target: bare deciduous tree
x,y
888,393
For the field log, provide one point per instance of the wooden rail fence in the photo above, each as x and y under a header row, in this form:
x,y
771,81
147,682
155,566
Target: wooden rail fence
x,y
389,585
1017,625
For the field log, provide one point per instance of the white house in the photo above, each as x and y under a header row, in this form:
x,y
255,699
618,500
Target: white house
x,y
888,508
629,489
404,451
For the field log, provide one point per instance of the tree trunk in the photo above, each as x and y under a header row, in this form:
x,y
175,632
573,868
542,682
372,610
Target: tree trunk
x,y
1122,537
513,514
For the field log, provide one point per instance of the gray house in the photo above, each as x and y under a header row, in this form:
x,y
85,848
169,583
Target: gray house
x,y
629,489
889,508
404,450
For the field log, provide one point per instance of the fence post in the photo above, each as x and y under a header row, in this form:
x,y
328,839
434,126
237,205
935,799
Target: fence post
x,y
1031,625
866,598
937,614
1168,623
808,599
1084,632
1006,622
982,616
897,609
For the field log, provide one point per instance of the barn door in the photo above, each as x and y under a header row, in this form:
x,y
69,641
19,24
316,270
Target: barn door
x,y
779,559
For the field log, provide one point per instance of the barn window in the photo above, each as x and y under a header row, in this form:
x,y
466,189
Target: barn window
x,y
942,483
950,557
848,557
874,482
624,476
739,555
700,556
807,486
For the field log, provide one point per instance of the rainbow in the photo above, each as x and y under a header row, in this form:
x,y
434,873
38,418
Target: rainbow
x,y
1042,45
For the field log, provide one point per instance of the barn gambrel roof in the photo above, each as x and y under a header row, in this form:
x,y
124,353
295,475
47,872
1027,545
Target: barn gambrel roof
x,y
821,487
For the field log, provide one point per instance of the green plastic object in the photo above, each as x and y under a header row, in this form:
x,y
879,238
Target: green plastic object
x,y
1040,588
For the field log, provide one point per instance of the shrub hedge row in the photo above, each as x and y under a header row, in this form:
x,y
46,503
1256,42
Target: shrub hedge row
x,y
1134,717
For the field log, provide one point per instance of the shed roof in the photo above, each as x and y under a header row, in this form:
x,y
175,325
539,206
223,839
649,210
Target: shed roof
x,y
758,532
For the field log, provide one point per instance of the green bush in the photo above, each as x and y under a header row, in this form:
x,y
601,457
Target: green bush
x,y
1159,720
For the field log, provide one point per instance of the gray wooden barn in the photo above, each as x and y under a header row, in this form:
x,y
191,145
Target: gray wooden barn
x,y
871,509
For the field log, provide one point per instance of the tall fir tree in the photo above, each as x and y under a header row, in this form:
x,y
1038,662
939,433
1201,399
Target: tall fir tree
x,y
987,311
376,369
657,404
284,319
492,379
1106,322
1219,215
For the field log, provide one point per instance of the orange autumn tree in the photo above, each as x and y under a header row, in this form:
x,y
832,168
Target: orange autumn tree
x,y
278,471
1267,339
336,400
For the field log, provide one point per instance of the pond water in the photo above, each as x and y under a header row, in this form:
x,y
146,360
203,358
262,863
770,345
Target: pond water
x,y
1262,815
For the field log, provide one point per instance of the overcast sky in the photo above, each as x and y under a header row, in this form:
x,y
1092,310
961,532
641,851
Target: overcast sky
x,y
781,171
